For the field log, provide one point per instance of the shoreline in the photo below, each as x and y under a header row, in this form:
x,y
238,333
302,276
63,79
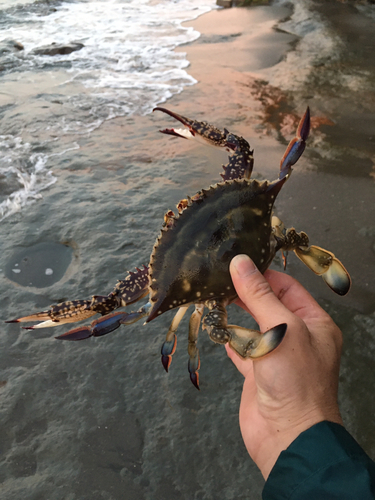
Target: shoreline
x,y
103,411
226,61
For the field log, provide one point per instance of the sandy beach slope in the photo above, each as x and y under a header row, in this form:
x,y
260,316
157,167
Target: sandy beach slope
x,y
101,419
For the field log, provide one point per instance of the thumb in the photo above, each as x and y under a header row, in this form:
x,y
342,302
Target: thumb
x,y
256,293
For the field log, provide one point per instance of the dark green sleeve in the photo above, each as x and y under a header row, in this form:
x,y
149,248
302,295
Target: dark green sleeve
x,y
323,463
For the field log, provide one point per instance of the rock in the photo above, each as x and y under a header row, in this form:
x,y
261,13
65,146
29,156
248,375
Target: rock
x,y
7,46
224,3
58,49
247,3
8,50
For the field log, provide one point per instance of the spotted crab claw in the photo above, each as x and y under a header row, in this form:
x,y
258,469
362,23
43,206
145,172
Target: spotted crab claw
x,y
241,160
296,146
65,312
127,291
325,264
200,131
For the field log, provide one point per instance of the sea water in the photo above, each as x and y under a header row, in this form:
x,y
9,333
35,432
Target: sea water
x,y
100,419
127,65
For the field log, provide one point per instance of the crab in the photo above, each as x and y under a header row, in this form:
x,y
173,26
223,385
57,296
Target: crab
x,y
189,263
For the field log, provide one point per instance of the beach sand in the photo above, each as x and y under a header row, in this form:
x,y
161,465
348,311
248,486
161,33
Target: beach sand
x,y
100,419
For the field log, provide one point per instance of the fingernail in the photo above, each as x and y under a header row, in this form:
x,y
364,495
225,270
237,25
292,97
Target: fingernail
x,y
243,265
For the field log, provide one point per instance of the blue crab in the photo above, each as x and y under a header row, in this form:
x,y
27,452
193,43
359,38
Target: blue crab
x,y
189,263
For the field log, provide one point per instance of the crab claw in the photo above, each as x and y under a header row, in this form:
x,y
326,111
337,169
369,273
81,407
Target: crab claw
x,y
296,146
66,312
167,350
194,130
127,291
193,367
259,344
337,278
325,264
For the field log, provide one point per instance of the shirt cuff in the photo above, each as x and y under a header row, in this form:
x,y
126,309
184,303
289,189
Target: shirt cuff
x,y
324,461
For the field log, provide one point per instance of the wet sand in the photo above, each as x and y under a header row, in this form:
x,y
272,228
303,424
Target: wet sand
x,y
100,418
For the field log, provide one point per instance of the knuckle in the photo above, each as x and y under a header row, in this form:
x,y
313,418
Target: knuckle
x,y
259,289
334,333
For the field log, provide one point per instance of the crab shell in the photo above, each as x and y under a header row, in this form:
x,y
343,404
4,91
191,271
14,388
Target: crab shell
x,y
190,260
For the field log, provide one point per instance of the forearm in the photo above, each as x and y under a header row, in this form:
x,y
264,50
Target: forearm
x,y
323,462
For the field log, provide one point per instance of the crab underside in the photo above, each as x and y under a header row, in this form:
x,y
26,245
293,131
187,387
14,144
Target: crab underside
x,y
190,260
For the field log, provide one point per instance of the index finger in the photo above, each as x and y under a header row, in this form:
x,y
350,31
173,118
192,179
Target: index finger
x,y
294,296
254,290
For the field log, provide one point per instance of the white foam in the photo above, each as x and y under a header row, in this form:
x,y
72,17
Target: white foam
x,y
127,66
128,61
32,178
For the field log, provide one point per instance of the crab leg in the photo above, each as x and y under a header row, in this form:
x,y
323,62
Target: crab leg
x,y
106,324
241,162
127,291
194,361
320,261
241,159
246,342
203,132
169,346
296,146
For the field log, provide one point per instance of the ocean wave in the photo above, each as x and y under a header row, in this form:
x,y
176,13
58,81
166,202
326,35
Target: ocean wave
x,y
24,173
127,65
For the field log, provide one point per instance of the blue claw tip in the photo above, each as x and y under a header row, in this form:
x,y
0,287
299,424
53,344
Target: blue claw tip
x,y
304,126
166,361
194,377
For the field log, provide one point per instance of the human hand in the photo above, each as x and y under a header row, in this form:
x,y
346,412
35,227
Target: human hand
x,y
295,386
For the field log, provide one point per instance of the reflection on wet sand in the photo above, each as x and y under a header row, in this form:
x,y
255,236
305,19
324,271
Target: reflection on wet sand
x,y
61,404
